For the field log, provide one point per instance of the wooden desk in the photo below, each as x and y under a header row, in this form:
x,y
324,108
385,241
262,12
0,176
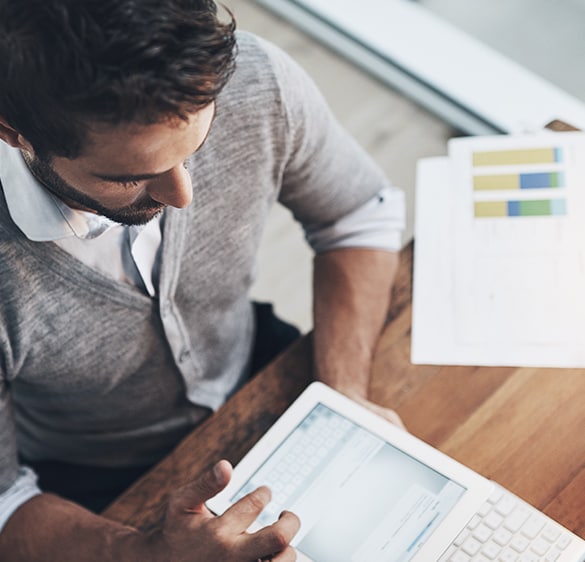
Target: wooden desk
x,y
524,428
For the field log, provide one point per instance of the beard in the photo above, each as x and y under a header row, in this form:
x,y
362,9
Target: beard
x,y
140,212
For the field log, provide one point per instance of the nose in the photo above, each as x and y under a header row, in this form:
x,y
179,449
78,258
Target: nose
x,y
174,188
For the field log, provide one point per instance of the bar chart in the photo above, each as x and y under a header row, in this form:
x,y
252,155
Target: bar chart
x,y
518,183
529,208
500,258
518,156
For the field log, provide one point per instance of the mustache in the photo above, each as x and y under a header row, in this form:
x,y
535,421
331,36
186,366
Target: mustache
x,y
144,204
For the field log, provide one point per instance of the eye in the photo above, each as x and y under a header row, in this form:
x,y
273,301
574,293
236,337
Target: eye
x,y
129,184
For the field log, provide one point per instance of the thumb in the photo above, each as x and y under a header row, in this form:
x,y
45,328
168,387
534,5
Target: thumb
x,y
191,498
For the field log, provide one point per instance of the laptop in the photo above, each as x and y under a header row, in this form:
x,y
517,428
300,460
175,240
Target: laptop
x,y
366,490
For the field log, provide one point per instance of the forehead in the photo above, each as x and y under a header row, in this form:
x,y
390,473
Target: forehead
x,y
124,140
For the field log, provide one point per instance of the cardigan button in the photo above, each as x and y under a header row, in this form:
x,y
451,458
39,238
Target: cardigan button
x,y
184,355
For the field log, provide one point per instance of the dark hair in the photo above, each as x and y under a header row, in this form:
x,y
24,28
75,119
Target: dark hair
x,y
67,63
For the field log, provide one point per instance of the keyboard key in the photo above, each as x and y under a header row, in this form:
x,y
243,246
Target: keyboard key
x,y
493,520
533,526
540,546
528,557
482,533
471,546
516,519
506,505
491,550
496,495
484,509
502,537
508,556
552,555
564,541
551,533
519,543
475,521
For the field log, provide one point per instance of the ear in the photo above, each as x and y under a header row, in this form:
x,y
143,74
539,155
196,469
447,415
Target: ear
x,y
12,137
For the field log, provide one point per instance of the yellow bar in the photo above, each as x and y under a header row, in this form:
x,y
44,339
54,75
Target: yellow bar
x,y
504,181
491,209
509,157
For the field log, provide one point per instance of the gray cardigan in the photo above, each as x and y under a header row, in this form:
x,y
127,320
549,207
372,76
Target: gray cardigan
x,y
87,374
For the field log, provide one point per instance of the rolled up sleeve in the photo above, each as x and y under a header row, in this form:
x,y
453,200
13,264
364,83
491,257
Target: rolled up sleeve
x,y
24,488
378,224
331,185
17,484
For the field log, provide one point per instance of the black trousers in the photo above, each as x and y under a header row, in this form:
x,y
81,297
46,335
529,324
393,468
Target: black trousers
x,y
96,487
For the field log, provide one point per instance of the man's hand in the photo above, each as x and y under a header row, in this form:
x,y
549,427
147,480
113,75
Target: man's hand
x,y
65,532
192,533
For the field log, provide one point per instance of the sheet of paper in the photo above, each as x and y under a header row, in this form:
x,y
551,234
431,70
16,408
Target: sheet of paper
x,y
433,302
505,217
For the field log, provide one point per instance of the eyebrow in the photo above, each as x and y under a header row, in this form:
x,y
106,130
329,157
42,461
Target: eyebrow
x,y
125,179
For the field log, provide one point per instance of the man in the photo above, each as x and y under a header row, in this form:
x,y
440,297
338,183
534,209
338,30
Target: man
x,y
144,144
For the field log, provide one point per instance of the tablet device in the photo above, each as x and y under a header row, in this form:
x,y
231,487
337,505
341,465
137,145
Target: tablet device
x,y
363,488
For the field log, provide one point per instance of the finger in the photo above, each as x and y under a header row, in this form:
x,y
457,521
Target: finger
x,y
242,514
272,539
190,498
391,416
386,413
289,554
394,418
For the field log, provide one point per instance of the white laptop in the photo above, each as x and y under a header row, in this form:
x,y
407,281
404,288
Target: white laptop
x,y
367,491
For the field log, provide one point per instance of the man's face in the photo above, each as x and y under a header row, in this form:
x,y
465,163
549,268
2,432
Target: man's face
x,y
129,173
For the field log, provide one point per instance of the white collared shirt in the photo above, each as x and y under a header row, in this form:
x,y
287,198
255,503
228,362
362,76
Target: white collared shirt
x,y
126,253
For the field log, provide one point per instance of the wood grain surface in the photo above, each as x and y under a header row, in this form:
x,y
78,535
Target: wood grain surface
x,y
522,427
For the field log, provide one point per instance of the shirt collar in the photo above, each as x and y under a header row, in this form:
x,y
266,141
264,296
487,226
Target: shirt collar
x,y
37,212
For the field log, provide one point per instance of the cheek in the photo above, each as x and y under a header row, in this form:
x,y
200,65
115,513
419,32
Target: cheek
x,y
76,179
118,197
106,194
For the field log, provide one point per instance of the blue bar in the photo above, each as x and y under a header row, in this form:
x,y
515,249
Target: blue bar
x,y
541,180
558,154
513,208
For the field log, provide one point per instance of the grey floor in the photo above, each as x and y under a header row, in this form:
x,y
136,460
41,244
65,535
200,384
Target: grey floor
x,y
391,128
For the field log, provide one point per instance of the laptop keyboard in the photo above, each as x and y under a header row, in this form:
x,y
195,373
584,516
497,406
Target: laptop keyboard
x,y
507,529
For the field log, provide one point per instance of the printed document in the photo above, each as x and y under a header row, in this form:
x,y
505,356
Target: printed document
x,y
499,275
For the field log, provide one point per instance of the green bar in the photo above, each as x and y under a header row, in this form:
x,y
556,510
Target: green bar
x,y
535,208
510,157
555,179
497,182
491,209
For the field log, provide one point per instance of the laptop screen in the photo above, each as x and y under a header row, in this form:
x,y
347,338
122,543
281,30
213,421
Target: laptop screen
x,y
358,497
